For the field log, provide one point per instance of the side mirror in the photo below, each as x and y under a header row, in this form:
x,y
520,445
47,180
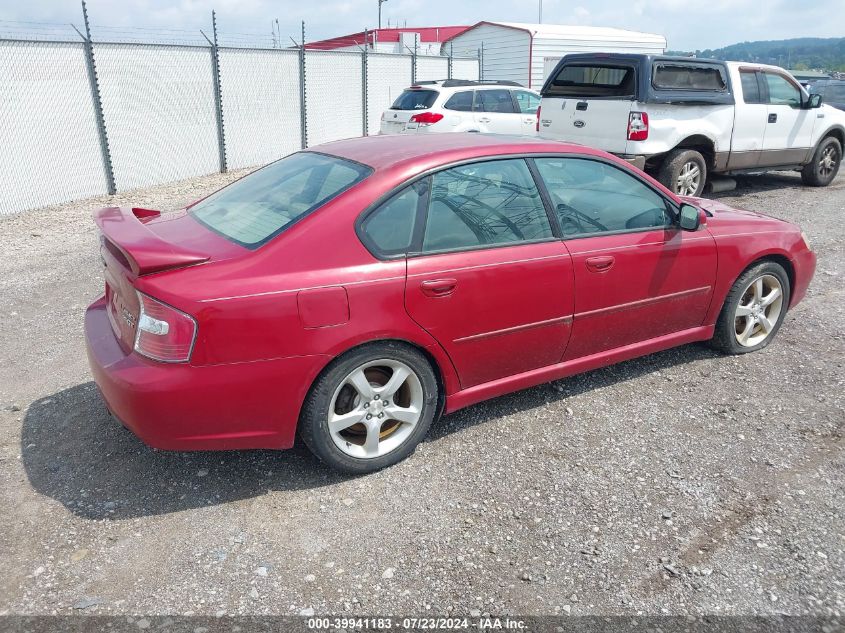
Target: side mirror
x,y
690,218
814,101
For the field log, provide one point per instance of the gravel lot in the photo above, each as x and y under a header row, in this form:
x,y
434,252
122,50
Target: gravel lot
x,y
685,482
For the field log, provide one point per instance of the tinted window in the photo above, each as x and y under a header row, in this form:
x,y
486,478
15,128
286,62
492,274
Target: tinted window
x,y
682,77
592,81
782,92
593,197
461,101
482,204
527,102
390,228
750,88
493,101
415,100
252,210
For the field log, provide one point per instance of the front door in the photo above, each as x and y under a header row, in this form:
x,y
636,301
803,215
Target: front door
x,y
527,104
491,283
494,111
789,128
637,276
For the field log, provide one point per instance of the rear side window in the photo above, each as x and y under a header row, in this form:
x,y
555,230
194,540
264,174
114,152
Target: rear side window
x,y
261,205
460,101
390,228
494,101
592,81
484,204
415,100
750,88
688,77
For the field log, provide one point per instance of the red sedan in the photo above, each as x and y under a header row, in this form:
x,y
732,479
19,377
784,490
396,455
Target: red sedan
x,y
355,291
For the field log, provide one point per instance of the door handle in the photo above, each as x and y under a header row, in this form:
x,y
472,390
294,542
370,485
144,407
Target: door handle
x,y
438,287
773,118
530,120
600,264
484,119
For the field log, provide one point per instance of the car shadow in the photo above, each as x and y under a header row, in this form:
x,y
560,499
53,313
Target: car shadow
x,y
73,451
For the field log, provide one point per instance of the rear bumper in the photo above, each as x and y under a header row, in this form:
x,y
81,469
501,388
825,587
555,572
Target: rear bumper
x,y
637,161
185,407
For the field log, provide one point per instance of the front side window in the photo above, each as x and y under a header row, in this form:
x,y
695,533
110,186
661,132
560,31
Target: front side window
x,y
527,102
591,197
750,87
390,228
494,101
782,91
415,100
484,204
261,205
460,101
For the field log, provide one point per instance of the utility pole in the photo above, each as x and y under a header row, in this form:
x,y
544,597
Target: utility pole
x,y
540,17
380,2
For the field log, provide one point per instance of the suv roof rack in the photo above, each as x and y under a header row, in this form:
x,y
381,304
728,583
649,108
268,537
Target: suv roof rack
x,y
452,83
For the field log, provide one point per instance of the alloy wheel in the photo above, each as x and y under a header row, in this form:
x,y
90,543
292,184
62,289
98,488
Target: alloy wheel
x,y
758,310
375,408
689,179
828,161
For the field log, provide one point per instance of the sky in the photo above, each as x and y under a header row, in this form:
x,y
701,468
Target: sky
x,y
688,24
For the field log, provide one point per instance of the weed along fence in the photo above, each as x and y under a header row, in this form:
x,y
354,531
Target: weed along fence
x,y
83,118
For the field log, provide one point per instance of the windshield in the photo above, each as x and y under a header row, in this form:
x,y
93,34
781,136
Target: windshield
x,y
415,100
261,205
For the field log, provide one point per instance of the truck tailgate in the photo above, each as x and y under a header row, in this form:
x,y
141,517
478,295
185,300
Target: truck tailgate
x,y
599,123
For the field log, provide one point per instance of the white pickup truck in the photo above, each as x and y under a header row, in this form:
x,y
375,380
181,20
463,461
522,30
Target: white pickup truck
x,y
683,119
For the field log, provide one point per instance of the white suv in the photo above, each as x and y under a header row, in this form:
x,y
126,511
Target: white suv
x,y
457,105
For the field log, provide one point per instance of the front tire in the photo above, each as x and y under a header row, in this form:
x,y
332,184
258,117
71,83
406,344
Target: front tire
x,y
370,408
684,172
824,166
754,310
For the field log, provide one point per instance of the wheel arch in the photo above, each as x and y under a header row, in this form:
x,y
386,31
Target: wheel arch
x,y
703,144
776,256
837,132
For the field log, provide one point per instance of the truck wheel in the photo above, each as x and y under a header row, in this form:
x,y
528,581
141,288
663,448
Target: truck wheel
x,y
824,166
684,172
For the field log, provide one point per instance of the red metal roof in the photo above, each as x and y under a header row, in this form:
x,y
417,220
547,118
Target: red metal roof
x,y
428,34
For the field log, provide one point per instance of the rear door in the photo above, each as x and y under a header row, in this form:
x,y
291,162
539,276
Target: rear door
x,y
527,104
750,120
789,128
589,103
494,111
491,282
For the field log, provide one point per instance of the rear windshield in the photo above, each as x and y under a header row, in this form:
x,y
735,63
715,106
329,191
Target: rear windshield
x,y
415,100
261,205
592,81
682,77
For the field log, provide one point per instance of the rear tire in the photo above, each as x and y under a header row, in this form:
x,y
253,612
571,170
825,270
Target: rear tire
x,y
824,166
348,418
753,310
684,172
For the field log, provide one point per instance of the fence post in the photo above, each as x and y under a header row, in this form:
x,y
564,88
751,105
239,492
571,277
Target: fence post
x,y
303,121
414,62
98,104
481,62
449,64
218,94
364,127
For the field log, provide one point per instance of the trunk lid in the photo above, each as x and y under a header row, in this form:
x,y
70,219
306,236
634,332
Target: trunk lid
x,y
137,242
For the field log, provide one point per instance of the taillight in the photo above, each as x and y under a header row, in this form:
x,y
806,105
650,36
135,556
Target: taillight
x,y
638,126
164,333
538,118
426,118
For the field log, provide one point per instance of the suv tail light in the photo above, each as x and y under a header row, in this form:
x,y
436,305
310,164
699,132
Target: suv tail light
x,y
638,126
164,333
537,127
426,118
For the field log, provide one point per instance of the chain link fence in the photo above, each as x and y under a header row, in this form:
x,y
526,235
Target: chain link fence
x,y
88,118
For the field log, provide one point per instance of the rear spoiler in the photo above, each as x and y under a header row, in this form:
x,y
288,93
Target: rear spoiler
x,y
144,251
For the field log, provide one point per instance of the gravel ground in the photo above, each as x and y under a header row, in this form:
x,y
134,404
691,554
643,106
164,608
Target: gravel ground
x,y
684,482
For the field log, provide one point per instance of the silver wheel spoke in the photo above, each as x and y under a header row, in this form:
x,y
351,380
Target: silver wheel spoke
x,y
743,311
746,332
758,289
409,415
359,381
400,375
767,325
769,299
339,422
372,440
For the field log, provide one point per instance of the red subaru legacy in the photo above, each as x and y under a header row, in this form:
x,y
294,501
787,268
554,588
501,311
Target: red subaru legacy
x,y
355,291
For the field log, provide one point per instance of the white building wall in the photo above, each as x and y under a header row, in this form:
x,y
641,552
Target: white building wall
x,y
505,51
